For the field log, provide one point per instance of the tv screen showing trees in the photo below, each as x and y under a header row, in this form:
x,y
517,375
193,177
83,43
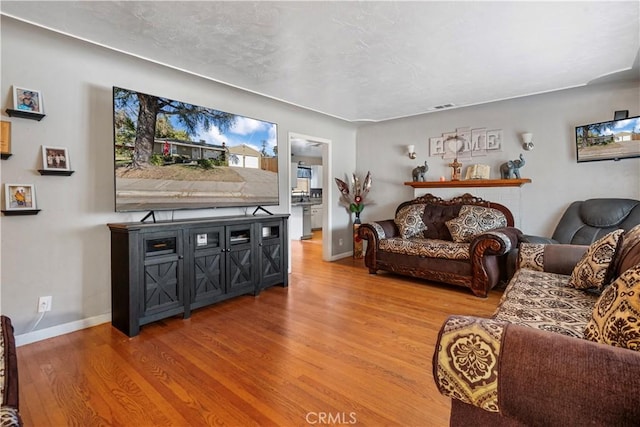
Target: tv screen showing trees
x,y
174,155
612,140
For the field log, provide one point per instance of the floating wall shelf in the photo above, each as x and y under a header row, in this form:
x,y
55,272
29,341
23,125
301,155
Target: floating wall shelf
x,y
22,212
25,114
470,183
58,173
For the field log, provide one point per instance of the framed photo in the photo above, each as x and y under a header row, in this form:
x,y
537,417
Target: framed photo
x,y
5,137
55,158
28,100
19,197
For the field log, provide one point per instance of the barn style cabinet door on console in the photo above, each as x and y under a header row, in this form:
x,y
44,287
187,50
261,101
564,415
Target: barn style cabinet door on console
x,y
168,268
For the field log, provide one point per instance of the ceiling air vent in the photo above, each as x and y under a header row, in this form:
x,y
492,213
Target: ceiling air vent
x,y
443,106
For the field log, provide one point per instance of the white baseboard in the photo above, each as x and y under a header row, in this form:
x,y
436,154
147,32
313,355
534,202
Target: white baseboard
x,y
340,256
54,331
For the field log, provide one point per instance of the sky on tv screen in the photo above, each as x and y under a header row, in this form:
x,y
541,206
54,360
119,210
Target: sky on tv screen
x,y
244,130
626,125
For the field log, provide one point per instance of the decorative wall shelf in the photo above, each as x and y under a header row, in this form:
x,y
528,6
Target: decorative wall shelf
x,y
58,173
21,212
25,114
470,183
5,156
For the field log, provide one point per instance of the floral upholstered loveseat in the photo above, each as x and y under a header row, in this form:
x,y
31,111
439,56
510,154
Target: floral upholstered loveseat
x,y
9,415
462,241
563,346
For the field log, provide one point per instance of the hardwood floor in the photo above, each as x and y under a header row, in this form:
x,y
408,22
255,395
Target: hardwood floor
x,y
339,346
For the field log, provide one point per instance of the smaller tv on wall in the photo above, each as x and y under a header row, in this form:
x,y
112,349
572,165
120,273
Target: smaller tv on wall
x,y
612,140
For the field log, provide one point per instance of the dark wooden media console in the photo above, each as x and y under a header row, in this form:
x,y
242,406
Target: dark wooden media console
x,y
168,268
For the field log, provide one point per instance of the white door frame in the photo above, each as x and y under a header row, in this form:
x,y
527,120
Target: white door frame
x,y
327,189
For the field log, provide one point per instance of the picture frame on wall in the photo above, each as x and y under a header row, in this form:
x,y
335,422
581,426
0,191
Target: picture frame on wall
x,y
19,197
27,100
5,137
55,159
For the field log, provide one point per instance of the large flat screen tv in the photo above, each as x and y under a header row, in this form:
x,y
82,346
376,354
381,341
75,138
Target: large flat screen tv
x,y
612,140
174,155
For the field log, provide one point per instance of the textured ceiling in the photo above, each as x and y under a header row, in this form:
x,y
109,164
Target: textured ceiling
x,y
365,60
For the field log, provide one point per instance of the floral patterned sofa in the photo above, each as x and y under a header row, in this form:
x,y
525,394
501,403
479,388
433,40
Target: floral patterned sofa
x,y
462,241
563,346
9,415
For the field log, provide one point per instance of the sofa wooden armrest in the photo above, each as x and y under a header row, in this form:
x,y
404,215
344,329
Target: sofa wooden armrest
x,y
9,409
373,232
487,252
519,375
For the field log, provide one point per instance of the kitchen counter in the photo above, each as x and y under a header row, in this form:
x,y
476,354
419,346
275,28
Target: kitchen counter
x,y
311,202
306,203
300,220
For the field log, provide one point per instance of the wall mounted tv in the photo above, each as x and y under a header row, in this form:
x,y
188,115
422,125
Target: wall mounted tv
x,y
174,155
612,140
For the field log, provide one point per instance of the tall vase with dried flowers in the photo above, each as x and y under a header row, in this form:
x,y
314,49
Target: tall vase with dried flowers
x,y
354,200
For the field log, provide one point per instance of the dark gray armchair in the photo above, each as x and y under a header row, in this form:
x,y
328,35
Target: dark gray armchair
x,y
584,222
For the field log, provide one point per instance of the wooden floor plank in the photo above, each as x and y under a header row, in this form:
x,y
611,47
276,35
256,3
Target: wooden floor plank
x,y
339,345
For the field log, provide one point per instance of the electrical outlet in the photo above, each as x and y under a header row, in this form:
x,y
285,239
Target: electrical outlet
x,y
44,304
340,242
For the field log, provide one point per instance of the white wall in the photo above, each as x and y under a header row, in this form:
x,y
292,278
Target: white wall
x,y
64,251
557,178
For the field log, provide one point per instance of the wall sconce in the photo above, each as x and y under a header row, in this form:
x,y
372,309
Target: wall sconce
x,y
527,141
412,151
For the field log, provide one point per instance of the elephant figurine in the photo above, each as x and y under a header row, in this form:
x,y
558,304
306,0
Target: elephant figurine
x,y
419,172
511,169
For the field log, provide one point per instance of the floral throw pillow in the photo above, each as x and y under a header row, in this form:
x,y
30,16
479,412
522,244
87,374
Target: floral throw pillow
x,y
409,220
473,220
616,316
592,271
